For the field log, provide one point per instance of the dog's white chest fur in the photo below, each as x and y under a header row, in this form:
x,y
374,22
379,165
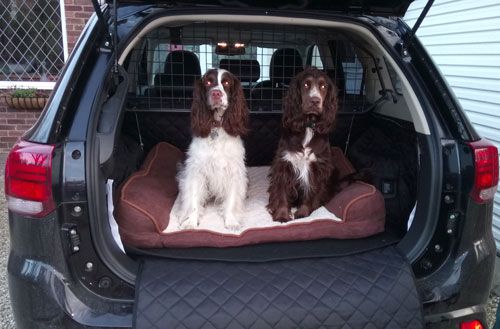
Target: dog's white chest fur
x,y
214,169
217,157
301,161
219,151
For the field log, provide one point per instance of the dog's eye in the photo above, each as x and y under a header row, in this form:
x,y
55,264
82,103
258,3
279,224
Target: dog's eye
x,y
306,84
225,83
208,83
323,86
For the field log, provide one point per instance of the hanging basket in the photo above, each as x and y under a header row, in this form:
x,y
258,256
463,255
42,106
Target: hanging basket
x,y
26,103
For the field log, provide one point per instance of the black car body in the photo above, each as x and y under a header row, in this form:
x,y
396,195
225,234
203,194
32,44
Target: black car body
x,y
65,270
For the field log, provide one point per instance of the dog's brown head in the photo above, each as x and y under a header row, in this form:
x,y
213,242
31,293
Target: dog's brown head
x,y
311,100
218,100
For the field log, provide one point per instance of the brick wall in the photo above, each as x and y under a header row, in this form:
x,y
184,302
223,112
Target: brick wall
x,y
78,13
13,123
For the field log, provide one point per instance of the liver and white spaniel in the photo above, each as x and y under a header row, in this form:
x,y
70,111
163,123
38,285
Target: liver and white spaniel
x,y
214,169
302,173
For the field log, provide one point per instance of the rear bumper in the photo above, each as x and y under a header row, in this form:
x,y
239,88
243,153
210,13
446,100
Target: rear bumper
x,y
45,294
453,319
41,299
37,304
42,290
459,290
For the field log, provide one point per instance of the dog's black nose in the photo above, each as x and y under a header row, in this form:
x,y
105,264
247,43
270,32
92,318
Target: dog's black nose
x,y
315,101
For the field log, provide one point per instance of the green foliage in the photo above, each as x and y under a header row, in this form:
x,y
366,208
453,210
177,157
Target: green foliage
x,y
23,93
27,93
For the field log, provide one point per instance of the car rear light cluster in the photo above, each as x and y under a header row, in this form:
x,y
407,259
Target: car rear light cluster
x,y
474,324
28,179
485,171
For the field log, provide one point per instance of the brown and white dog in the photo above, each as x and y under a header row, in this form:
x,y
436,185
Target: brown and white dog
x,y
215,164
302,172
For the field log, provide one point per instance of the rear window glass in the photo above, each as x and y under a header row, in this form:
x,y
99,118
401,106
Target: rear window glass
x,y
316,58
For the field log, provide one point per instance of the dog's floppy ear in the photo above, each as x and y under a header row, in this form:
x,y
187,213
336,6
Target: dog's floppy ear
x,y
325,124
200,114
292,104
236,116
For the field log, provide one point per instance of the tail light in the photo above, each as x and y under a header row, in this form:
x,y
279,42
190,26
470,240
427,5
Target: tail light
x,y
485,171
28,179
474,324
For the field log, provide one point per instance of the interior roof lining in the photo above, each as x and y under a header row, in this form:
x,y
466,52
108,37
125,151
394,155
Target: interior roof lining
x,y
416,110
268,34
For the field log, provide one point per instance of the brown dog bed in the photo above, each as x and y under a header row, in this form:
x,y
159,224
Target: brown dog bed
x,y
146,198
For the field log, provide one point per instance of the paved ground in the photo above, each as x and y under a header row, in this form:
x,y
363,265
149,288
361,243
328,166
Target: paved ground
x,y
491,309
7,322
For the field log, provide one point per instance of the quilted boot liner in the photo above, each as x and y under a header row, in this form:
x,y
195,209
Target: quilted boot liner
x,y
373,289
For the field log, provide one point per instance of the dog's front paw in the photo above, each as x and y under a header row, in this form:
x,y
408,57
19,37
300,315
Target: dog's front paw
x,y
302,212
231,223
190,221
282,215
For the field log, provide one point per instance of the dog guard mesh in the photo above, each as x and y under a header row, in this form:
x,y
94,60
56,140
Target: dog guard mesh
x,y
165,64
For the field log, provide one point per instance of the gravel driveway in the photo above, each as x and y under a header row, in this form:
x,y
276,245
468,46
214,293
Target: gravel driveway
x,y
6,319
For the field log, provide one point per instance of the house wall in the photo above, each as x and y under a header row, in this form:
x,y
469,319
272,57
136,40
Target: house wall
x,y
13,123
77,13
463,37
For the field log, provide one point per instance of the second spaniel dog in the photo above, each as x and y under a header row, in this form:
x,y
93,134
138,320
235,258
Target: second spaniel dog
x,y
215,164
302,172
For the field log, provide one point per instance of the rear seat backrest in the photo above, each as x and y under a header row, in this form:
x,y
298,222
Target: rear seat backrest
x,y
247,70
285,64
182,69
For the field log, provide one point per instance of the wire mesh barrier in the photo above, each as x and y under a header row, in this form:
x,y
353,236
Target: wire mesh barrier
x,y
165,64
31,39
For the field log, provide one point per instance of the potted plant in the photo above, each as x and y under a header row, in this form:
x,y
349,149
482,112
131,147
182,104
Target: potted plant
x,y
29,99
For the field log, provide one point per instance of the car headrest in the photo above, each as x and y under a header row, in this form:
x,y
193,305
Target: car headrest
x,y
182,68
247,70
285,64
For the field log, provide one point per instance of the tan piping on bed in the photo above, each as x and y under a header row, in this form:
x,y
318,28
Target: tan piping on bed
x,y
373,190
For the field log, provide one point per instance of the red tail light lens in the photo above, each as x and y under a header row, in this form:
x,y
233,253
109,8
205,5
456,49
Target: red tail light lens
x,y
486,171
474,324
28,179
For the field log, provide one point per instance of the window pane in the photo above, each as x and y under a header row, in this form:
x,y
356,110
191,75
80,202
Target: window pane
x,y
353,76
316,59
31,39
